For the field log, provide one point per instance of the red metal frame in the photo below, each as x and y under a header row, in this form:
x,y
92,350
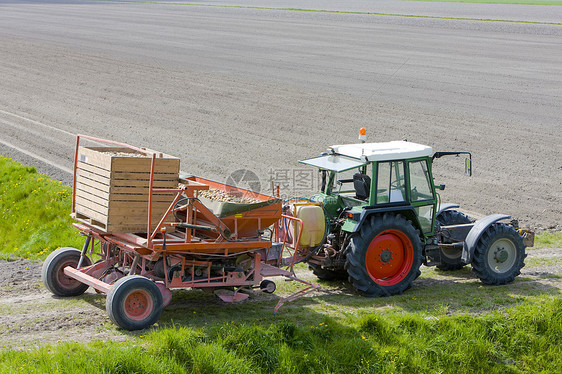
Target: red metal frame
x,y
192,250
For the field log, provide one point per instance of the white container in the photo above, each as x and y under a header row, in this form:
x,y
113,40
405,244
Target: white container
x,y
314,225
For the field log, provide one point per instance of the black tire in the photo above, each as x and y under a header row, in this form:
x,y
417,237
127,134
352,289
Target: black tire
x,y
384,258
268,286
327,275
52,273
451,259
499,255
134,303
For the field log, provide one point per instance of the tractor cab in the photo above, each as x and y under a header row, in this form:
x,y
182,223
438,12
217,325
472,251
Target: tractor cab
x,y
389,176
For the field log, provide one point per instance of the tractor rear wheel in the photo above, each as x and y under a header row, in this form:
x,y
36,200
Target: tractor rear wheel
x,y
451,258
134,303
499,255
53,275
385,256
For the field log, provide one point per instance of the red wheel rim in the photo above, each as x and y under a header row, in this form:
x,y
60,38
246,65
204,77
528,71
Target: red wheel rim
x,y
138,305
389,257
64,280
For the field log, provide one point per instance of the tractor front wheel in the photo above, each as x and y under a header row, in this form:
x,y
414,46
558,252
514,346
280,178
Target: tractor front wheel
x,y
451,258
499,255
134,303
385,256
53,275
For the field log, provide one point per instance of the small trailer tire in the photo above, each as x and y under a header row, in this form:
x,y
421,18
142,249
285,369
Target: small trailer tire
x,y
268,286
499,255
134,303
53,275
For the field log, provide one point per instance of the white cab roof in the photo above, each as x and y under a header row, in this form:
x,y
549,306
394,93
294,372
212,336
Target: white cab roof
x,y
394,150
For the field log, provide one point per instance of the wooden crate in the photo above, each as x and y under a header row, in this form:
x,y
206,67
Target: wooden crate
x,y
112,186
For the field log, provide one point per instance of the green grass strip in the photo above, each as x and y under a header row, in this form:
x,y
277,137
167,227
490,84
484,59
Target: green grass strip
x,y
549,240
516,2
338,12
523,339
34,213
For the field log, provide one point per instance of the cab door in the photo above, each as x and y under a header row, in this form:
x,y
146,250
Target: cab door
x,y
421,193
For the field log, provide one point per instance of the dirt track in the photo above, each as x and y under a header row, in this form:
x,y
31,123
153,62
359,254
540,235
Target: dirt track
x,y
30,315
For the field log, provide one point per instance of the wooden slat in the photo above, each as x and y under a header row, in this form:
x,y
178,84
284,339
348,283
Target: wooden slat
x,y
171,183
138,207
144,176
93,157
93,170
138,191
120,185
119,226
102,158
128,202
87,189
161,165
81,180
95,173
101,211
131,151
85,192
138,220
91,213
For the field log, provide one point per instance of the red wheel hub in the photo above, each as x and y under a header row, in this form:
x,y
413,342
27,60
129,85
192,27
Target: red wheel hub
x,y
138,305
389,257
63,279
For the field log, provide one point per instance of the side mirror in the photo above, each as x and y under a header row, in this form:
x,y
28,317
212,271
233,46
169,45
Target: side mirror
x,y
468,166
441,187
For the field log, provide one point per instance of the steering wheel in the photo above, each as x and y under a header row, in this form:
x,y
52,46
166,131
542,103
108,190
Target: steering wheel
x,y
414,194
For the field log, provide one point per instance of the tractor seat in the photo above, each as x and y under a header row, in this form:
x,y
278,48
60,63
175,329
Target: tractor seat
x,y
362,185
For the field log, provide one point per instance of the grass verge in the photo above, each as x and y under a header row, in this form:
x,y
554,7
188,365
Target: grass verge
x,y
525,338
518,2
34,211
548,240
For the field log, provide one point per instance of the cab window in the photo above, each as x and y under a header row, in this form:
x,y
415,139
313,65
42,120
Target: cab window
x,y
348,186
420,182
390,182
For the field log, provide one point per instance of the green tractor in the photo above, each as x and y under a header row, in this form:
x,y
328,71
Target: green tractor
x,y
378,217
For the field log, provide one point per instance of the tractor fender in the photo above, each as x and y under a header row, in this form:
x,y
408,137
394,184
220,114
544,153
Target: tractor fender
x,y
444,207
407,210
476,232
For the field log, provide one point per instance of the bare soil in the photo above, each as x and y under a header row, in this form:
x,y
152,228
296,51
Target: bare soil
x,y
30,315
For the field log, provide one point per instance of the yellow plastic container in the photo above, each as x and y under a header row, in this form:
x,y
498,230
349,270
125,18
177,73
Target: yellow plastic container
x,y
314,224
